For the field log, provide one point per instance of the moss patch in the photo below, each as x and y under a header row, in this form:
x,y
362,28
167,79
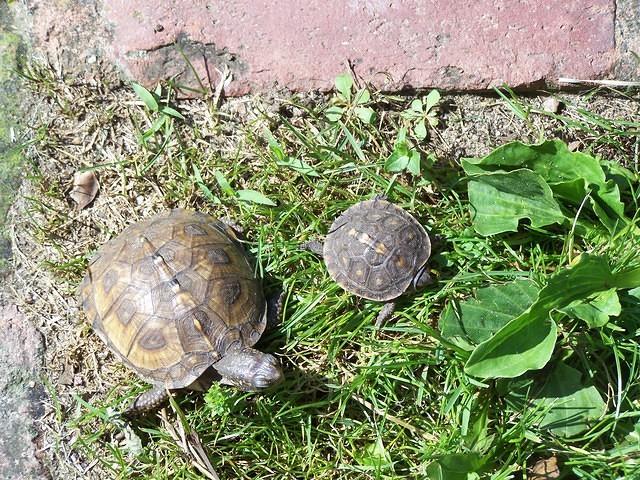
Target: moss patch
x,y
11,49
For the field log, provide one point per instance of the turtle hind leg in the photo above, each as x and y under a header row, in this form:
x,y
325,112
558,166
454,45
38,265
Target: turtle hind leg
x,y
314,246
385,312
147,401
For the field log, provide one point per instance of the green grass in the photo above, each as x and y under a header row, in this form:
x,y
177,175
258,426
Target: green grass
x,y
357,403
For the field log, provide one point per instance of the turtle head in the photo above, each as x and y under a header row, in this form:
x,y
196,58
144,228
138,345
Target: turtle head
x,y
422,278
266,372
249,369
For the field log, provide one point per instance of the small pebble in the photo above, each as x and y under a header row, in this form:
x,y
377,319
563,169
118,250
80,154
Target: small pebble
x,y
551,105
67,376
573,146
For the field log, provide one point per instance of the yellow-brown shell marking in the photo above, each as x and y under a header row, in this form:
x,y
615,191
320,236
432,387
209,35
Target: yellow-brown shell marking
x,y
170,295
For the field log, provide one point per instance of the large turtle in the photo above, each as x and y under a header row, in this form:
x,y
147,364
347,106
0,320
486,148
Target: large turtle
x,y
175,298
378,251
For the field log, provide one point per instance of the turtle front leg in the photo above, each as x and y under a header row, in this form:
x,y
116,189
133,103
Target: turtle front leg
x,y
314,246
147,401
386,311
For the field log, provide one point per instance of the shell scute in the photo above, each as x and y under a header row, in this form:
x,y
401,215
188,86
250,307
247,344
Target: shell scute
x,y
374,250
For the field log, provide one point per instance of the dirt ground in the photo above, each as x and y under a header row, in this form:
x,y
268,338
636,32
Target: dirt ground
x,y
75,126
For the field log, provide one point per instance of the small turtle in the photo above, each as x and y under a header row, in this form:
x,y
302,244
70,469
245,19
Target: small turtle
x,y
174,295
376,250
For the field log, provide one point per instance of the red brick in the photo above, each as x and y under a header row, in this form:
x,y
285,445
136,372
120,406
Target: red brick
x,y
302,45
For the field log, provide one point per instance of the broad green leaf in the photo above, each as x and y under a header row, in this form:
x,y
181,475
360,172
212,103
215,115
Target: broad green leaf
x,y
171,112
397,161
635,292
571,175
420,130
521,345
527,342
254,196
155,127
363,96
500,200
433,120
627,279
374,455
416,106
224,184
432,99
299,166
344,82
475,320
366,114
146,96
456,466
551,159
605,201
596,310
403,157
569,405
334,113
275,148
413,166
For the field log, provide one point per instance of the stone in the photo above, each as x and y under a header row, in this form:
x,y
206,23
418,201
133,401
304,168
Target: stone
x,y
21,395
301,46
469,44
69,35
551,105
627,40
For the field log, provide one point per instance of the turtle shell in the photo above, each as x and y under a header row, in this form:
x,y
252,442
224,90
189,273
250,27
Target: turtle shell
x,y
172,294
374,250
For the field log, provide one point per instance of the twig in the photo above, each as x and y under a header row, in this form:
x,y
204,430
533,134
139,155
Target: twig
x,y
190,444
223,82
607,83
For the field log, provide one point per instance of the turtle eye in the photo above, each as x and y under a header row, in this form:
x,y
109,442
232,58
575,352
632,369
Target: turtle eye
x,y
268,372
